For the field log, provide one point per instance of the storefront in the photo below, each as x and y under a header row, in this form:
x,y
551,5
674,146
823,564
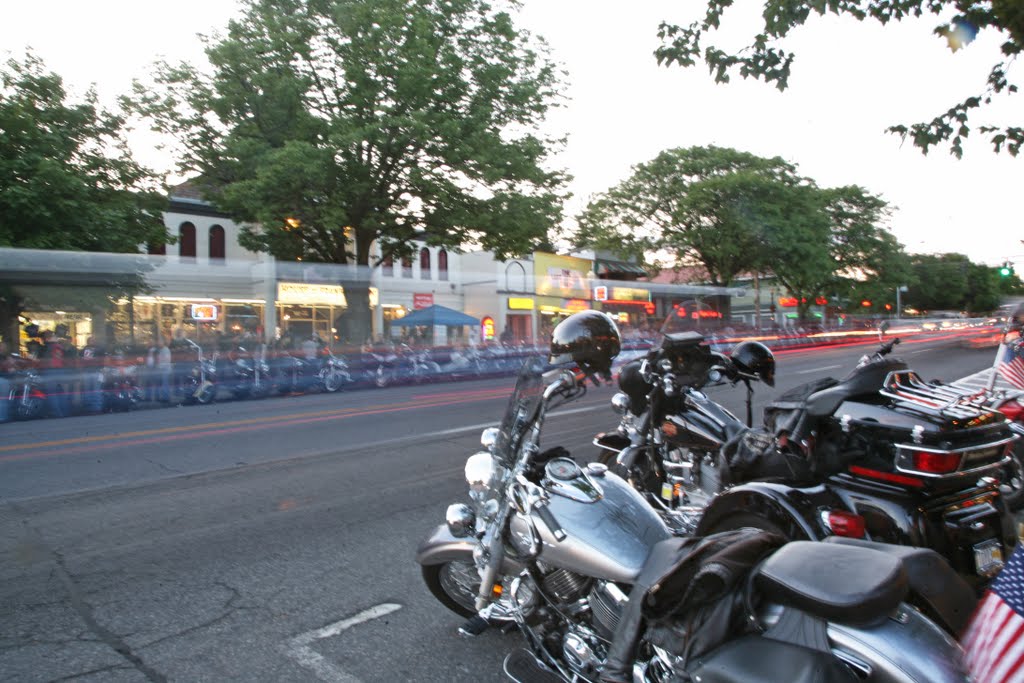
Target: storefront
x,y
563,288
630,306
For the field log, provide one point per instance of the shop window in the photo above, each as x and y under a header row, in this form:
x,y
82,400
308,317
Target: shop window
x,y
187,241
424,263
217,244
442,264
407,266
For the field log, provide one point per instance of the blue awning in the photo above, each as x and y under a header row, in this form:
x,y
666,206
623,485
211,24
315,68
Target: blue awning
x,y
436,315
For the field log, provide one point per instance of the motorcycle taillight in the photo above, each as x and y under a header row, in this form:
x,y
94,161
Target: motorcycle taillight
x,y
1013,410
843,523
933,462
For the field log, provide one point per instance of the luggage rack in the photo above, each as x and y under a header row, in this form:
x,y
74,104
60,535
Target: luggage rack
x,y
908,389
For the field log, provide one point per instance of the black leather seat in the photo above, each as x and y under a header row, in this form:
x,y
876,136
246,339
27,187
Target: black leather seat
x,y
839,583
866,380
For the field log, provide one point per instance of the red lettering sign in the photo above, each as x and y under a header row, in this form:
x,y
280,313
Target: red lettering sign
x,y
422,301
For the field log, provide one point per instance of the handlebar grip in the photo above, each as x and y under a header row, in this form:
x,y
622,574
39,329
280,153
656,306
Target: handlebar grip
x,y
550,522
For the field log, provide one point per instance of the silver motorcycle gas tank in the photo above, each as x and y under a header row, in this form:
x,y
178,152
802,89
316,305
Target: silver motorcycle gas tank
x,y
608,535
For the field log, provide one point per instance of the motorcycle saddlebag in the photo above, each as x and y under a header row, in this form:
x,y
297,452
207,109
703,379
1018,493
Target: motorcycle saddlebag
x,y
754,658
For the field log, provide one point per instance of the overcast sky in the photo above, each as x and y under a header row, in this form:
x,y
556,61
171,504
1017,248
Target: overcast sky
x,y
850,81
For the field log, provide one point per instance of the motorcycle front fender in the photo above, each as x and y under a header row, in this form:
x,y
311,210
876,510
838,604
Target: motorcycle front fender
x,y
441,546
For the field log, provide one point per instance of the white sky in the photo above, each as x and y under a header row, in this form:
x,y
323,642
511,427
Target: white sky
x,y
850,81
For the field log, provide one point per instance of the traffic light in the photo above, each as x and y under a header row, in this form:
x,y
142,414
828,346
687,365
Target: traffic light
x,y
1006,270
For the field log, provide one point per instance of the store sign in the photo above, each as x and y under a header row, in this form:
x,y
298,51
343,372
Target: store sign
x,y
562,276
422,301
204,312
576,305
520,303
630,294
487,328
309,294
601,293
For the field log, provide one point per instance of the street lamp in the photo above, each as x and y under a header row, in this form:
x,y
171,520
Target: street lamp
x,y
899,306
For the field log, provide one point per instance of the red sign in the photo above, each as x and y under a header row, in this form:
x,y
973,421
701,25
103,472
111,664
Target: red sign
x,y
649,308
601,293
422,301
487,329
576,305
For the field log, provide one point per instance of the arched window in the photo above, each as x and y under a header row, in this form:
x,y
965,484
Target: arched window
x,y
407,266
442,264
187,241
217,244
515,277
424,263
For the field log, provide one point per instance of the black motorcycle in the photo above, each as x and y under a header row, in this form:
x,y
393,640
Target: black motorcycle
x,y
249,373
880,455
200,384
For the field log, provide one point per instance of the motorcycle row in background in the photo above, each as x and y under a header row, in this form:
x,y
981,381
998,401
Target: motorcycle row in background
x,y
121,381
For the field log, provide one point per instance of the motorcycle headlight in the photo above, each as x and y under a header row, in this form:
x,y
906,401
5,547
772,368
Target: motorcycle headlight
x,y
620,403
480,470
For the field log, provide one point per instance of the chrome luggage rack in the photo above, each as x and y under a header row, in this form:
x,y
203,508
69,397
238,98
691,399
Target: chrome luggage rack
x,y
908,389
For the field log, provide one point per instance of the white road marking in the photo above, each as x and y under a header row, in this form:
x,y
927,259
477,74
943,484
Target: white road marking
x,y
298,648
485,425
827,367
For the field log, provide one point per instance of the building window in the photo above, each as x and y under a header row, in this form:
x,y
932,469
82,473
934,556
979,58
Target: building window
x,y
424,263
387,265
407,266
515,277
187,240
217,243
442,264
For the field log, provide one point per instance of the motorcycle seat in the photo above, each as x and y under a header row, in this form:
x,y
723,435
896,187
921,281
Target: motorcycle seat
x,y
841,583
865,380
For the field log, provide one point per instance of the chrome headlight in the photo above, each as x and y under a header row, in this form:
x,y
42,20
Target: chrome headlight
x,y
480,470
489,437
620,403
461,520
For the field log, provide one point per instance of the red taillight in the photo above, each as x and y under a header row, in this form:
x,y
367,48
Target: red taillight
x,y
844,523
936,463
890,477
1012,410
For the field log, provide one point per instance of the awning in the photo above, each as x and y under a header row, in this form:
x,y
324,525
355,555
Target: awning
x,y
436,315
604,267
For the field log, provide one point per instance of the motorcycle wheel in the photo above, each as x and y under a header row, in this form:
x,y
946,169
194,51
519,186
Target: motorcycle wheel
x,y
207,395
381,378
1012,485
332,381
454,584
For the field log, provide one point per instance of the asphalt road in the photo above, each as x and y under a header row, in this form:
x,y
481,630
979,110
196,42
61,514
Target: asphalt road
x,y
272,540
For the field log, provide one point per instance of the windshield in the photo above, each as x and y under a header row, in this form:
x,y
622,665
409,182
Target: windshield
x,y
522,407
692,316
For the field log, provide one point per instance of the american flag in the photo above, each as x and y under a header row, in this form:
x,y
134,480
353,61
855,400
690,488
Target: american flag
x,y
994,640
1011,363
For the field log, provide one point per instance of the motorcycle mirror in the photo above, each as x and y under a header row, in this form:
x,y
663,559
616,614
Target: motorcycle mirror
x,y
715,375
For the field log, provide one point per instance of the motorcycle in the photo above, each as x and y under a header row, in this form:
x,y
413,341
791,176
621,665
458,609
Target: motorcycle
x,y
880,455
119,385
1011,478
251,376
333,373
27,399
200,384
578,561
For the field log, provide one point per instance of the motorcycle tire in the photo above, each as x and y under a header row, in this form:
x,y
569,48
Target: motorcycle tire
x,y
207,395
381,378
332,381
30,408
445,582
1012,484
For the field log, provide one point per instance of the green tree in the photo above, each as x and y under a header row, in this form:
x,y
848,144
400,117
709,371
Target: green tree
x,y
942,283
982,289
67,178
369,121
703,205
767,60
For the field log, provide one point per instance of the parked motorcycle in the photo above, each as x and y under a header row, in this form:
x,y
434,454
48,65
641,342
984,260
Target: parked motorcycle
x,y
333,373
27,397
200,385
1011,477
601,590
881,454
119,386
250,374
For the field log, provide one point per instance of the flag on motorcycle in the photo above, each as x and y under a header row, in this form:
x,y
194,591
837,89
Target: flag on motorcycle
x,y
994,640
1011,363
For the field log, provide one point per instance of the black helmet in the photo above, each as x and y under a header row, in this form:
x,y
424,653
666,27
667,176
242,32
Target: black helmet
x,y
588,338
633,384
754,358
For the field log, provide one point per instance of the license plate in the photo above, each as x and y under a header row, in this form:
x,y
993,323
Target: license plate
x,y
988,557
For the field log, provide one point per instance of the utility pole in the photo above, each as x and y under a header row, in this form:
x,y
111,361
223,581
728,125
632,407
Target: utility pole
x,y
899,306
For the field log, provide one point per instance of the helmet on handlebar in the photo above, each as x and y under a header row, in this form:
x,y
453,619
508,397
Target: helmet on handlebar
x,y
633,384
754,358
588,338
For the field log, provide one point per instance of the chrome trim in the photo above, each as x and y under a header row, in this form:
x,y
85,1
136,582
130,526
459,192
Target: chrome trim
x,y
620,403
903,453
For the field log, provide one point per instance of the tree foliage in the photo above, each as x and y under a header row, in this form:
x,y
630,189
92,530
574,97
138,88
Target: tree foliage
x,y
764,58
735,213
951,282
369,121
67,178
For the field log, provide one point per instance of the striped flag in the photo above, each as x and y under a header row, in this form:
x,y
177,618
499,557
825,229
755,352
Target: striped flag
x,y
1011,362
994,640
